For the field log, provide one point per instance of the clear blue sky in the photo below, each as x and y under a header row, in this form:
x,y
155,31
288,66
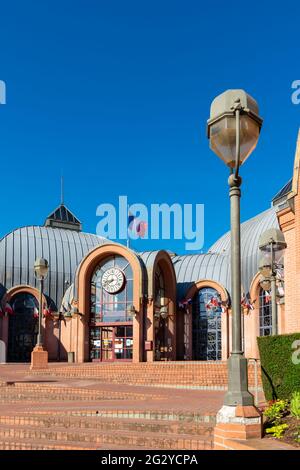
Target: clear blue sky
x,y
117,95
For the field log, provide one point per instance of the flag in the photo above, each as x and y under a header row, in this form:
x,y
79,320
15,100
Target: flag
x,y
184,303
8,309
47,312
35,313
137,226
215,303
131,218
268,297
246,303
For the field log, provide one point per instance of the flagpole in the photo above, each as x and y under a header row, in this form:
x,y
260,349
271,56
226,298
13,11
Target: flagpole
x,y
127,241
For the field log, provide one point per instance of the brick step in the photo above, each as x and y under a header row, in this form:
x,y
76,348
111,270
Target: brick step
x,y
105,424
19,396
158,415
33,387
66,394
28,444
144,440
206,374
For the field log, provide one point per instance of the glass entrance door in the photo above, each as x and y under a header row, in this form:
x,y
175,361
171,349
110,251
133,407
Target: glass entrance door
x,y
111,343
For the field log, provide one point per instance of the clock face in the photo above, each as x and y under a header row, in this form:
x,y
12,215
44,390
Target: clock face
x,y
113,280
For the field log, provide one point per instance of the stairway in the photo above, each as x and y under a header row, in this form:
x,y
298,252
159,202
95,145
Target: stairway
x,y
191,375
61,431
39,416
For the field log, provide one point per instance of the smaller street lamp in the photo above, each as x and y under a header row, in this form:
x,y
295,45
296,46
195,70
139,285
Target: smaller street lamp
x,y
41,268
272,245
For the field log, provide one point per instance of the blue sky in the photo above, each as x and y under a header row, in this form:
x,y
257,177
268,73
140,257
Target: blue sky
x,y
116,95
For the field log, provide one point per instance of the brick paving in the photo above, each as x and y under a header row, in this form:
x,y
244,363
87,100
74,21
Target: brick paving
x,y
80,407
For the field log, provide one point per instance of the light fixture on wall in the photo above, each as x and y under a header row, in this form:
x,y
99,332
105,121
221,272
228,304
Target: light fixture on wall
x,y
265,283
272,246
164,312
131,311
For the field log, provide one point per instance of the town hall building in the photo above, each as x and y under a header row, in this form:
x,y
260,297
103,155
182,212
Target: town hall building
x,y
105,302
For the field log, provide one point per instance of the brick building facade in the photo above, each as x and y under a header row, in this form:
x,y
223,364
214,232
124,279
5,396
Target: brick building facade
x,y
105,302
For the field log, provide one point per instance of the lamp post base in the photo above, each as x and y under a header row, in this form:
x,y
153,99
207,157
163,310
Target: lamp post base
x,y
39,358
235,423
238,393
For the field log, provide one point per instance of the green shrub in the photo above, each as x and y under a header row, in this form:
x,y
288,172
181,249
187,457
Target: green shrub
x,y
295,405
277,431
280,374
276,411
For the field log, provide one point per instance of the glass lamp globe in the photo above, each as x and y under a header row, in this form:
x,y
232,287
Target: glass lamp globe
x,y
265,266
222,126
41,268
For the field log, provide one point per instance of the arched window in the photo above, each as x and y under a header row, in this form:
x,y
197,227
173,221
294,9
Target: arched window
x,y
111,306
207,311
265,313
22,327
111,320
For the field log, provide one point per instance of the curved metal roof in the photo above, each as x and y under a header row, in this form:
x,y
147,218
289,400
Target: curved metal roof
x,y
215,265
192,268
63,248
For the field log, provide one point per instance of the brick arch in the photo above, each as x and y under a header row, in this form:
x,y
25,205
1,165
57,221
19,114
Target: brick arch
x,y
82,296
164,261
251,321
255,287
225,329
207,283
10,293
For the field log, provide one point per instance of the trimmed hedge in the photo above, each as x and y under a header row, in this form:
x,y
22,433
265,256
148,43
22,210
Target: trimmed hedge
x,y
280,365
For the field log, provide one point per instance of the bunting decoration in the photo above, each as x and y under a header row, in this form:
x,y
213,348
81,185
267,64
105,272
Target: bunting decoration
x,y
216,303
247,304
268,297
8,309
184,303
48,312
35,313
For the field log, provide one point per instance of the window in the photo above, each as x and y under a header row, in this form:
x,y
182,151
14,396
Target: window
x,y
207,343
265,313
106,307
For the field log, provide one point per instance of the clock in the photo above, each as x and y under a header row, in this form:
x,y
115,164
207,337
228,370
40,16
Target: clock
x,y
113,280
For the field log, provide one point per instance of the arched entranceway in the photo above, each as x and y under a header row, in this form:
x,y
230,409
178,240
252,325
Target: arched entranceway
x,y
206,325
111,316
22,327
160,317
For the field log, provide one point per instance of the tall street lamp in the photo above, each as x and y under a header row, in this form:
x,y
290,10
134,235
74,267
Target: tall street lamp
x,y
40,271
233,131
39,357
272,245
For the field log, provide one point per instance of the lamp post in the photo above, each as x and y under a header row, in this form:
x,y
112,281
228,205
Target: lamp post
x,y
233,131
40,271
39,357
272,245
